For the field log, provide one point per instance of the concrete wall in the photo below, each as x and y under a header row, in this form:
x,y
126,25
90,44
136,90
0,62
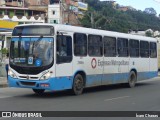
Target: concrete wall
x,y
2,2
54,13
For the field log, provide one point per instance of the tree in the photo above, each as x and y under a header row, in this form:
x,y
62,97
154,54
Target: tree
x,y
148,34
102,15
151,11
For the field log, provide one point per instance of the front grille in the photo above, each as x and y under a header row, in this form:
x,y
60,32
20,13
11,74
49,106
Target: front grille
x,y
34,78
28,83
23,77
30,70
28,77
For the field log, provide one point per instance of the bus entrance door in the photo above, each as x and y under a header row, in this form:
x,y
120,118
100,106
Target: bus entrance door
x,y
64,61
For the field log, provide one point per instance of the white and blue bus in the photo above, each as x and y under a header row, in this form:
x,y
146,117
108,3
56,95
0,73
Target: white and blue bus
x,y
60,57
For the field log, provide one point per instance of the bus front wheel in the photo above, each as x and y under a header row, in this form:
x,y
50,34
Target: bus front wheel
x,y
78,85
132,79
38,91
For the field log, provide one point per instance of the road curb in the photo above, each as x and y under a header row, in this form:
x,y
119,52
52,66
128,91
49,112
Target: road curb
x,y
3,82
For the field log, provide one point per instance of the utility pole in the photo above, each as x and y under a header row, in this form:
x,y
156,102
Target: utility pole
x,y
92,20
62,9
61,12
23,3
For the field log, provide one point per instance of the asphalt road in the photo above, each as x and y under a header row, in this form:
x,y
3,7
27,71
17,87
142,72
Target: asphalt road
x,y
144,97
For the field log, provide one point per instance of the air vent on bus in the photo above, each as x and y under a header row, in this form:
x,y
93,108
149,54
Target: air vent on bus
x,y
34,78
28,77
23,77
28,83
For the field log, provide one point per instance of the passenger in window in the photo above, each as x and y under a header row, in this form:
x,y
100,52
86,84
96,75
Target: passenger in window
x,y
83,50
98,53
90,52
38,52
62,52
146,54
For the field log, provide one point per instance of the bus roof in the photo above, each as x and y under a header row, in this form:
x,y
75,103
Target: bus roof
x,y
69,28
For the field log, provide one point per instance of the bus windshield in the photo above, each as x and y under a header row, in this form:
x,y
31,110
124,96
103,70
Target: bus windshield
x,y
31,51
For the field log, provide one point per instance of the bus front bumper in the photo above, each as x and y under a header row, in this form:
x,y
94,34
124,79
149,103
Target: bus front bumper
x,y
53,84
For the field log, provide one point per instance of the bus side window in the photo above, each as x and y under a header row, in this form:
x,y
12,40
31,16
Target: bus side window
x,y
134,48
95,45
153,50
80,44
109,46
122,45
144,49
64,49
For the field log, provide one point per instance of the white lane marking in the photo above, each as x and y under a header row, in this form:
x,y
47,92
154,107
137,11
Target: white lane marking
x,y
117,98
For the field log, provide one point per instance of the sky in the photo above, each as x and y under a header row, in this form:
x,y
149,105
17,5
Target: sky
x,y
140,4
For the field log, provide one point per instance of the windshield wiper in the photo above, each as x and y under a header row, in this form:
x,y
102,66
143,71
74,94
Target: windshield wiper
x,y
37,42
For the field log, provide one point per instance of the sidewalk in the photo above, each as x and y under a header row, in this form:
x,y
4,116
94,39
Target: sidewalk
x,y
3,82
3,78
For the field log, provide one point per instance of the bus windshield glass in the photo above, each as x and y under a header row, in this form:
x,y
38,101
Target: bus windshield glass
x,y
31,51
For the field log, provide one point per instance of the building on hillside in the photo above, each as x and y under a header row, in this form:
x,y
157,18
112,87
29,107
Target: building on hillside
x,y
138,32
23,3
54,1
66,11
2,2
57,11
54,14
76,9
125,8
45,2
112,2
152,33
109,1
15,3
21,15
28,3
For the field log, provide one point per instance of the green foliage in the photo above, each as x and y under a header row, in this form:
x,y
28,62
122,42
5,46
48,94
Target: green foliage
x,y
150,11
149,34
102,15
4,51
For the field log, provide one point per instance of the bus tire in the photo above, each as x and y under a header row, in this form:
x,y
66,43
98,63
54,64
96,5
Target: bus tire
x,y
38,91
78,85
132,79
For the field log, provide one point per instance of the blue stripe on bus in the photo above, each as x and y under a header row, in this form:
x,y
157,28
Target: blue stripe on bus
x,y
62,83
93,80
146,75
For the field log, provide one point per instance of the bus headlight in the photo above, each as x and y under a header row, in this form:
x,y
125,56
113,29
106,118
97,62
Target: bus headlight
x,y
45,76
12,74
